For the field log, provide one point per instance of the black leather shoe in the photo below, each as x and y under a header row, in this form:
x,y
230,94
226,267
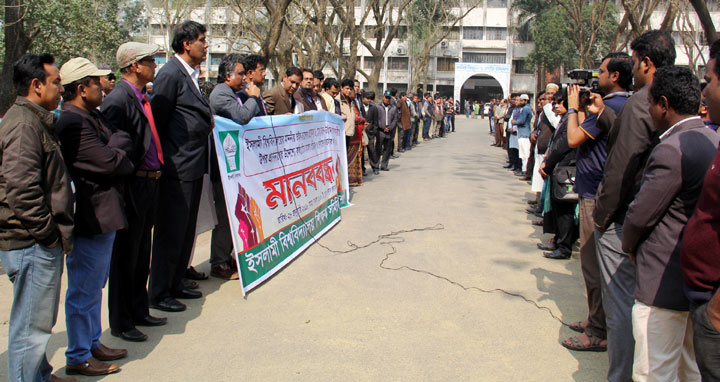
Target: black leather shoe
x,y
547,246
187,294
508,166
193,274
376,171
384,169
189,284
132,335
152,321
169,305
557,255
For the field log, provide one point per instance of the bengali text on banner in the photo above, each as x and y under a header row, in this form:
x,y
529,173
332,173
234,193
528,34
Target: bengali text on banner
x,y
285,180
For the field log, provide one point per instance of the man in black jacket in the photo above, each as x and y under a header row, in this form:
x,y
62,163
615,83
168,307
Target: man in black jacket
x,y
387,123
184,121
370,113
96,157
128,109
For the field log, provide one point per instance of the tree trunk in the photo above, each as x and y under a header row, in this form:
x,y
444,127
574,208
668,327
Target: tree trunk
x,y
701,9
17,43
670,15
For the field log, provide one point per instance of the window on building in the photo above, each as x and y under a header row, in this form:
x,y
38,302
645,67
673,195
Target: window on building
x,y
521,67
493,33
446,64
370,31
497,3
398,63
216,58
369,63
484,58
472,33
454,33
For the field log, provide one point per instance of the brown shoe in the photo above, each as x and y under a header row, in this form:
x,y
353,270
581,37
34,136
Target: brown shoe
x,y
55,378
104,353
92,367
224,272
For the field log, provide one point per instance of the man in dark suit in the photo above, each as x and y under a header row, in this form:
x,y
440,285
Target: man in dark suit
x,y
370,113
387,122
128,109
225,102
305,96
654,225
95,156
279,100
184,120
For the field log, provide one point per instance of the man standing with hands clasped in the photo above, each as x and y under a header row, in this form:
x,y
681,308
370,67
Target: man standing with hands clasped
x,y
183,120
96,159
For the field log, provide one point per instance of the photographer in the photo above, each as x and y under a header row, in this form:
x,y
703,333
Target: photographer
x,y
614,80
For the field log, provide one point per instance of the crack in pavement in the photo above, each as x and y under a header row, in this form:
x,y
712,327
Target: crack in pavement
x,y
393,238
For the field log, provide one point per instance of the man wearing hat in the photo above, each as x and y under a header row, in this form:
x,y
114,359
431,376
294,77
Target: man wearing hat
x,y
95,156
128,109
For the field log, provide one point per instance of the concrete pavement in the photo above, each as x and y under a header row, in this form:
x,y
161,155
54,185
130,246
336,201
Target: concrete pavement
x,y
439,304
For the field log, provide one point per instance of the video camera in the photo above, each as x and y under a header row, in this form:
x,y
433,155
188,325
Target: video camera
x,y
587,79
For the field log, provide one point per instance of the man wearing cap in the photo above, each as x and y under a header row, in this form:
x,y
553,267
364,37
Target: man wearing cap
x,y
95,156
36,215
521,123
128,109
107,83
184,121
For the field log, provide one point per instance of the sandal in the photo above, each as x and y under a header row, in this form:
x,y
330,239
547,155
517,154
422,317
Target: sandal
x,y
577,326
594,345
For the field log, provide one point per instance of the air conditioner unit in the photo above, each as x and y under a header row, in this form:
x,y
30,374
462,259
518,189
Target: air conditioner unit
x,y
401,51
444,44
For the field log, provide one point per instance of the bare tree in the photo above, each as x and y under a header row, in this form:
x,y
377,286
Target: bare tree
x,y
689,35
701,9
170,13
17,42
584,32
423,18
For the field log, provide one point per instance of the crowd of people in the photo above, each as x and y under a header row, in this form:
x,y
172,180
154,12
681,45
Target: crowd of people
x,y
105,176
633,172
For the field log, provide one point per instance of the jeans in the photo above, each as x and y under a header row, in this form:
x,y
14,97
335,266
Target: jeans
x,y
426,128
706,339
407,137
88,266
448,122
618,297
35,273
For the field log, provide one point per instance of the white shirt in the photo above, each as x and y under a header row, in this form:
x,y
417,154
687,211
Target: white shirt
x,y
193,72
550,114
387,115
663,135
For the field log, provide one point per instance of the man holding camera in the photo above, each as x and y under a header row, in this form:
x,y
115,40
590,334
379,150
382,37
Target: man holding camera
x,y
614,80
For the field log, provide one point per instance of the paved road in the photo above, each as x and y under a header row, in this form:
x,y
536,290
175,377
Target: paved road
x,y
422,305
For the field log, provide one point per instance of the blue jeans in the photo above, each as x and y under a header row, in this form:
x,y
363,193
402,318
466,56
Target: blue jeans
x,y
426,128
35,273
88,266
448,122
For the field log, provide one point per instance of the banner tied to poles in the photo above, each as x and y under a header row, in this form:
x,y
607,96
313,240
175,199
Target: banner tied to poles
x,y
285,179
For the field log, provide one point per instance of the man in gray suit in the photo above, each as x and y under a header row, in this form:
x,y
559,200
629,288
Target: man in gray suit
x,y
630,141
387,123
654,226
225,102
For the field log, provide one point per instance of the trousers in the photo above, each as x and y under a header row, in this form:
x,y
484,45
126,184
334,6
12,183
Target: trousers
x,y
591,270
706,339
35,272
88,266
618,296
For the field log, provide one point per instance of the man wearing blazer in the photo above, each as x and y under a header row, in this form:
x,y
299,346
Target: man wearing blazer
x,y
96,158
387,122
370,113
128,109
306,96
279,100
654,225
184,120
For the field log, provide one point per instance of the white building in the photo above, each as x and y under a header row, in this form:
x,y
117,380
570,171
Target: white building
x,y
484,36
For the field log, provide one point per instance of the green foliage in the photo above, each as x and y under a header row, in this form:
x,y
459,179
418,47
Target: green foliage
x,y
553,46
553,32
82,28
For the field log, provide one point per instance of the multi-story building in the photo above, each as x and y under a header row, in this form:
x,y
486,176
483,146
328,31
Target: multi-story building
x,y
479,59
